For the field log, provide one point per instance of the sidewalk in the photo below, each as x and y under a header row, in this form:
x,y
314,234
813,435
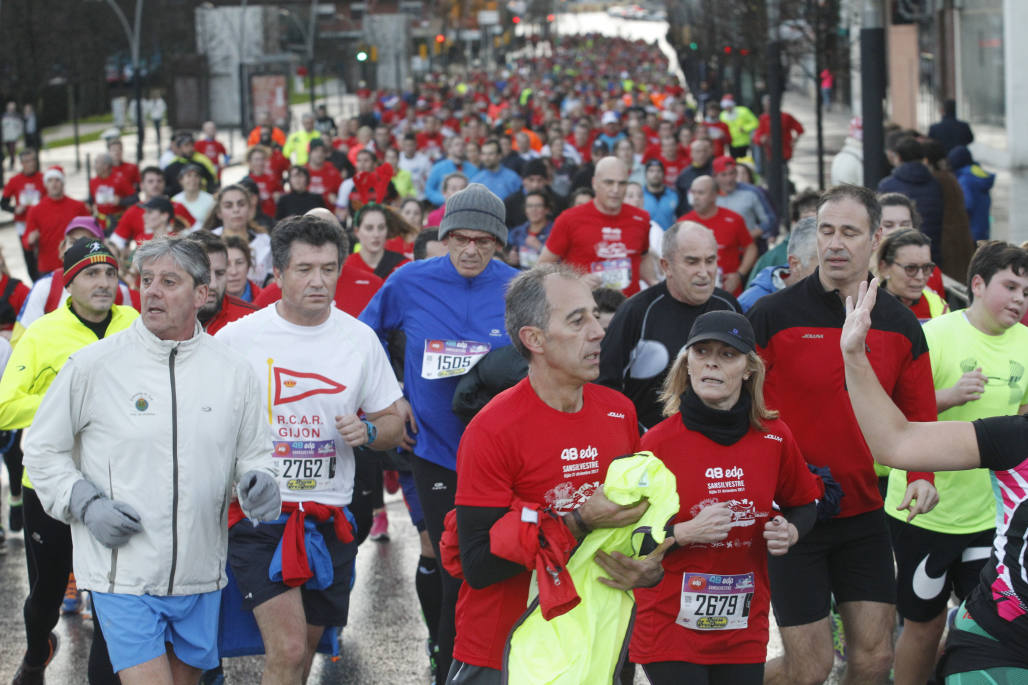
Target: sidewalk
x,y
77,181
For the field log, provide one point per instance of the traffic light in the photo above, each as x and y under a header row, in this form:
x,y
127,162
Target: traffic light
x,y
694,46
362,55
744,52
550,17
440,38
516,20
728,49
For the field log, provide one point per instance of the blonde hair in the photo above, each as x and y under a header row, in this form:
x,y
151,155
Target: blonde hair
x,y
678,380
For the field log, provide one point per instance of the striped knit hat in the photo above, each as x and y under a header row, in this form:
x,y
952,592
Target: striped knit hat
x,y
83,254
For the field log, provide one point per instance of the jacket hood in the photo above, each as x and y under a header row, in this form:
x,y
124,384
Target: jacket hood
x,y
978,178
959,157
916,173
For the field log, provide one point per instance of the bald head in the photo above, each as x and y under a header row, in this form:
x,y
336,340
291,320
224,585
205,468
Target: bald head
x,y
610,181
322,213
704,194
689,262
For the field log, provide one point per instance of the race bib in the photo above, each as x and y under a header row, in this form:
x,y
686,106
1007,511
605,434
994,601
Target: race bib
x,y
715,602
616,273
306,465
28,197
447,358
105,196
527,257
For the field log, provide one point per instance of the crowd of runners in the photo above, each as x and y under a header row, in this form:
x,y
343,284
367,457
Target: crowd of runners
x,y
631,409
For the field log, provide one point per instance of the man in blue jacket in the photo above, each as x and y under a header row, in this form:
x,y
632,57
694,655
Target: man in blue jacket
x,y
913,178
802,261
451,309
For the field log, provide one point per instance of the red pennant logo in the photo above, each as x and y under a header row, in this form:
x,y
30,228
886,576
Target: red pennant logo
x,y
293,386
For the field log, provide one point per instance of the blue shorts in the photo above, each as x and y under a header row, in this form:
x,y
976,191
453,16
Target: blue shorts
x,y
410,498
137,627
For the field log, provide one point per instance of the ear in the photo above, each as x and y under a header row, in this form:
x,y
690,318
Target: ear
x,y
532,338
278,276
978,286
200,295
876,238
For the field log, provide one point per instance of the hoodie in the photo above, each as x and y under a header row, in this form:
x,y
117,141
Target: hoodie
x,y
976,183
915,180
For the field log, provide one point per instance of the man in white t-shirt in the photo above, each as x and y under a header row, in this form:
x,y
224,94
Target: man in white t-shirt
x,y
320,369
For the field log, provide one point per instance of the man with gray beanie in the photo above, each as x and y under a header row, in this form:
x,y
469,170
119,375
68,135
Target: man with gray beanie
x,y
451,309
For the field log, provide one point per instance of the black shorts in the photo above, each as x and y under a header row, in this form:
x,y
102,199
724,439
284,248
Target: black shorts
x,y
250,551
848,557
930,565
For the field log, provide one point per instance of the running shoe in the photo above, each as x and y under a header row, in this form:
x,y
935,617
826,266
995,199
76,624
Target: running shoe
x,y
391,480
17,517
72,598
838,637
380,527
33,675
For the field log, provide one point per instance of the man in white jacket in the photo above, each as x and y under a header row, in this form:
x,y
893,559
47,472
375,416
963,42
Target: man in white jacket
x,y
137,446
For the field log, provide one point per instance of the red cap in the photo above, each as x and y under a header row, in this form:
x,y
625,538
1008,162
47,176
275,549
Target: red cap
x,y
723,163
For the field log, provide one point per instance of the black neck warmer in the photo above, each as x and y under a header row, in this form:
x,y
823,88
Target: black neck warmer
x,y
725,427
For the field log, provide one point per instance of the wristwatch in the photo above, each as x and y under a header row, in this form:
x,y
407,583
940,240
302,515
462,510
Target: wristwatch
x,y
372,431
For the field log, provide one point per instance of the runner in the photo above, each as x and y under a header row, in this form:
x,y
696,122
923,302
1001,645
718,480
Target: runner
x,y
137,487
451,311
648,331
240,260
231,217
320,368
977,356
45,222
744,492
552,319
220,308
987,642
87,314
849,556
131,228
606,237
22,191
904,267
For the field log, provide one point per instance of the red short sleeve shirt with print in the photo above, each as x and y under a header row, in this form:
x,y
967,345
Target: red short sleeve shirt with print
x,y
761,468
267,185
731,234
25,191
519,447
610,246
324,181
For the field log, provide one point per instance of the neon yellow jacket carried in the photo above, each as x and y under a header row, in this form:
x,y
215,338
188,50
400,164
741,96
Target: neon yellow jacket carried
x,y
588,643
40,354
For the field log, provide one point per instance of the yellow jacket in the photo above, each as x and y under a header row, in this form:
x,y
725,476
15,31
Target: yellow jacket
x,y
741,124
40,354
296,145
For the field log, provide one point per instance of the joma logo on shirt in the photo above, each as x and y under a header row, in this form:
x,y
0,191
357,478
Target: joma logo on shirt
x,y
772,436
615,415
812,336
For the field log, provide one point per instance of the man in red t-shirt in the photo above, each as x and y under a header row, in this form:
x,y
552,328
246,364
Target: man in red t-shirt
x,y
211,148
45,223
21,192
607,238
269,184
500,465
325,178
791,131
736,251
131,227
127,170
670,155
109,193
221,308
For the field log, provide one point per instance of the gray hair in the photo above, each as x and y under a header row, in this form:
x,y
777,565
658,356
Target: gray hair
x,y
803,241
526,303
669,241
188,254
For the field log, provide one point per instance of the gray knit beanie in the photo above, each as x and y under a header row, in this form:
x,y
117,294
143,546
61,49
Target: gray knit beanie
x,y
475,208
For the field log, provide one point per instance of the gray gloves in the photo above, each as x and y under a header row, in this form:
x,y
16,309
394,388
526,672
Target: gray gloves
x,y
259,497
111,523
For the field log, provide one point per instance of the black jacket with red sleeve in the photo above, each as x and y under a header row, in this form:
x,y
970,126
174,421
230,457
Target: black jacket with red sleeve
x,y
797,331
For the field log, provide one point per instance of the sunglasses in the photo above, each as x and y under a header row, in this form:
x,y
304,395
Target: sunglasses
x,y
911,269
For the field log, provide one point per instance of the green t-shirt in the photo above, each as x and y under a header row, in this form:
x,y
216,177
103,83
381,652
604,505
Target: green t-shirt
x,y
966,501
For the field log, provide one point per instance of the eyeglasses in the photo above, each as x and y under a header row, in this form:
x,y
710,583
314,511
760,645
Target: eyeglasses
x,y
535,205
462,241
911,269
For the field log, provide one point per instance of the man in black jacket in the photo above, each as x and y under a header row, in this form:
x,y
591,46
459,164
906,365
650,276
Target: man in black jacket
x,y
913,178
951,131
702,153
649,329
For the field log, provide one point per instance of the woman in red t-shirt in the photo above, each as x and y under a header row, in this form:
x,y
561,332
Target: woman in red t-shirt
x,y
734,459
372,227
404,232
240,261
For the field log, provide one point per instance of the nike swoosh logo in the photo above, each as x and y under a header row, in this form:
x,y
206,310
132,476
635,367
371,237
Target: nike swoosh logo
x,y
925,586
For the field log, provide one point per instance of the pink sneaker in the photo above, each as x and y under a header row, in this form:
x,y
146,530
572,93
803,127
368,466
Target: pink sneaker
x,y
380,527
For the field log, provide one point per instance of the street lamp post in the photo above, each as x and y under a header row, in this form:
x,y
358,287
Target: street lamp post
x,y
309,35
132,33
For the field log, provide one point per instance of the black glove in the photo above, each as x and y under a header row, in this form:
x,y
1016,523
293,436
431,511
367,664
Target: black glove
x,y
828,506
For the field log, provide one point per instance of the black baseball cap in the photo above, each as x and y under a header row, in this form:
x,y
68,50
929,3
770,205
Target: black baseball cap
x,y
161,204
728,327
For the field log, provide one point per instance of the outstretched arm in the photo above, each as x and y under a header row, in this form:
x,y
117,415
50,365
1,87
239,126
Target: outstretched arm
x,y
894,441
